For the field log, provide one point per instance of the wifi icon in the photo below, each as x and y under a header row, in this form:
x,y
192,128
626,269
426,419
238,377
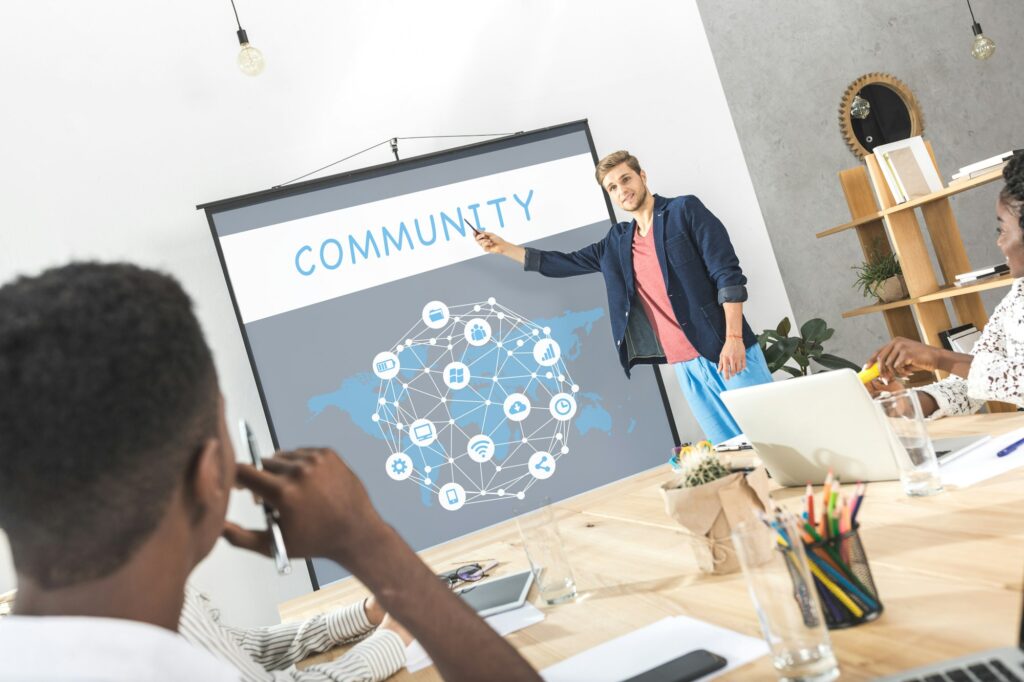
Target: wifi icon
x,y
480,448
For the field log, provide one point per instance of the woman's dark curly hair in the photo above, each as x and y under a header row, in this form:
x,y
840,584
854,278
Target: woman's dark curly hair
x,y
1013,193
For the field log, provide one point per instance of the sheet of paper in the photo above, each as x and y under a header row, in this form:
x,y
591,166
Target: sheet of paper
x,y
650,646
982,463
502,623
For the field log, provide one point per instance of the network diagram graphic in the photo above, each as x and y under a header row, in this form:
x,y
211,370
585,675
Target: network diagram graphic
x,y
475,403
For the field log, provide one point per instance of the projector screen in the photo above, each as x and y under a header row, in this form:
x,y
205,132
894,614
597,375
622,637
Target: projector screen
x,y
460,389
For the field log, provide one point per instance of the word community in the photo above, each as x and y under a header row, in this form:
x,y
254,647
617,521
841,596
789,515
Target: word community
x,y
331,253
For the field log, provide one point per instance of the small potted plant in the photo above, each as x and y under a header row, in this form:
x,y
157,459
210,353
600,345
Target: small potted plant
x,y
881,277
708,501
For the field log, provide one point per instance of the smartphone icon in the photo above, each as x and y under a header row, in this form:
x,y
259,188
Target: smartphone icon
x,y
284,566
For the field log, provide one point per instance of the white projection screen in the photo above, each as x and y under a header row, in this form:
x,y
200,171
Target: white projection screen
x,y
461,389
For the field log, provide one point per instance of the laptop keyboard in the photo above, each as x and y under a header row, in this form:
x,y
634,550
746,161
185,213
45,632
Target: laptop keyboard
x,y
993,671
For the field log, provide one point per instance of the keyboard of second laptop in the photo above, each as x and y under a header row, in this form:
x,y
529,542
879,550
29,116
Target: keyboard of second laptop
x,y
993,671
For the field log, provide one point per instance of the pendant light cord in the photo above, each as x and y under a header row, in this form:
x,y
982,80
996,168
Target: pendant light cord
x,y
235,10
973,20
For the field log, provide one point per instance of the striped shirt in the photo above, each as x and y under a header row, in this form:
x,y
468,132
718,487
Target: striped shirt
x,y
269,654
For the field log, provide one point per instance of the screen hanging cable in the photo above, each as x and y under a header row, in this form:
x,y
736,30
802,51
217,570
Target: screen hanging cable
x,y
393,141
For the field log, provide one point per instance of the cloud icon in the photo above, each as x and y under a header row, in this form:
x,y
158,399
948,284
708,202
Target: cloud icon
x,y
516,407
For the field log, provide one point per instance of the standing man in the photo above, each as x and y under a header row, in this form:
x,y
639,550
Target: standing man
x,y
674,259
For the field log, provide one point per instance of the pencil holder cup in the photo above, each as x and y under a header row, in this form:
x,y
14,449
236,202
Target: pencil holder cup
x,y
842,578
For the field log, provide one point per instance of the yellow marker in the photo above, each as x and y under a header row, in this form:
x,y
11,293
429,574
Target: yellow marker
x,y
869,374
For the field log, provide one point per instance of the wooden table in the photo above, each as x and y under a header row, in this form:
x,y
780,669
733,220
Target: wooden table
x,y
948,570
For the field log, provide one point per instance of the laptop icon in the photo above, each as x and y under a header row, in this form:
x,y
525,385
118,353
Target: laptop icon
x,y
995,664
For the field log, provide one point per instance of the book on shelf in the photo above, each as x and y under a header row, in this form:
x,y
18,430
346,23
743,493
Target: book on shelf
x,y
977,174
966,278
944,335
908,169
988,165
963,341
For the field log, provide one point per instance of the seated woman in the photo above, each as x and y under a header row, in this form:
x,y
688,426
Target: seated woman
x,y
994,370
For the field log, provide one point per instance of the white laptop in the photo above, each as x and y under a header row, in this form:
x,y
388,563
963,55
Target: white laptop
x,y
801,428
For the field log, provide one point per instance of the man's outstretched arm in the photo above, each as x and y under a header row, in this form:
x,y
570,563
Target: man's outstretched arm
x,y
492,243
547,263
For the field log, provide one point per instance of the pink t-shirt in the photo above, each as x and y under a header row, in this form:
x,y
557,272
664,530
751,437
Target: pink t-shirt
x,y
650,286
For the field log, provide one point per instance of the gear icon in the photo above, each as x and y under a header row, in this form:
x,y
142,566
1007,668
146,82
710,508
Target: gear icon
x,y
399,466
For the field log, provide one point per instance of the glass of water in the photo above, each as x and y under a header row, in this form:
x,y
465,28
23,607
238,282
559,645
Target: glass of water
x,y
785,598
919,467
546,553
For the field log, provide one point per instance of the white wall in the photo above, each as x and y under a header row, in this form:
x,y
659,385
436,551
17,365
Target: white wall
x,y
120,116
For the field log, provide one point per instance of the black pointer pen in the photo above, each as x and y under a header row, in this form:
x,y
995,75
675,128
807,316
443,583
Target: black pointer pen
x,y
284,567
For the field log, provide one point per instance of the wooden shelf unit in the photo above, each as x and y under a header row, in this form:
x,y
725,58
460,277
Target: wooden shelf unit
x,y
934,196
895,227
944,292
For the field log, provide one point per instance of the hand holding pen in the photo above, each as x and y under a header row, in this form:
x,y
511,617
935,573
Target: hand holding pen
x,y
322,507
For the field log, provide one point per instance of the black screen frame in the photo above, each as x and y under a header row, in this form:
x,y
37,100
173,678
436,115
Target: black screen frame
x,y
213,207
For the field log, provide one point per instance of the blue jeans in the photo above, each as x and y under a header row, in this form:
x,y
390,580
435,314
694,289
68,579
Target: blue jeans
x,y
702,384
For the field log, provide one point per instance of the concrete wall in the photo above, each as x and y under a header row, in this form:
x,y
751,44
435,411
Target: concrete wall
x,y
785,66
119,117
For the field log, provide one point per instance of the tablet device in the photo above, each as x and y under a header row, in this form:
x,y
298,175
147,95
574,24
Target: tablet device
x,y
501,594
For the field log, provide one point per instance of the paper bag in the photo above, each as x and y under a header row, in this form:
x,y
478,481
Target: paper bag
x,y
710,512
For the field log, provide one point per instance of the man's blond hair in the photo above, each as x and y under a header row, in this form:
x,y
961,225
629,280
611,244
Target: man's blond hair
x,y
613,160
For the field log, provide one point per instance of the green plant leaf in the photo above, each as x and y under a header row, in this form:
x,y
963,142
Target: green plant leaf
x,y
814,330
795,372
775,355
789,345
784,327
829,361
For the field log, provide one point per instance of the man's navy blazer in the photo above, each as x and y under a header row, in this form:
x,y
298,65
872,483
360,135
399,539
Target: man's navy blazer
x,y
701,273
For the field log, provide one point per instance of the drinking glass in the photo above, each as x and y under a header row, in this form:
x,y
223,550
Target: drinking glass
x,y
919,467
546,553
786,599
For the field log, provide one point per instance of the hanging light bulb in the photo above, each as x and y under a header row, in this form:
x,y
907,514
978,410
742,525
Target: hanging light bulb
x,y
250,60
984,47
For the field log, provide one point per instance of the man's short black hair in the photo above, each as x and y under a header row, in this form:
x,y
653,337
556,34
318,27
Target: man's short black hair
x,y
107,393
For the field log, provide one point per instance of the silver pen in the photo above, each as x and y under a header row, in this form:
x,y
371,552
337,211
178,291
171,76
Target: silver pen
x,y
284,566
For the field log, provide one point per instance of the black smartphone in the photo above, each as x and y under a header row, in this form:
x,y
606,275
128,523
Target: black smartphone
x,y
691,666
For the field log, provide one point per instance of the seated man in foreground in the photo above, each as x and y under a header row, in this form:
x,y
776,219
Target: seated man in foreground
x,y
115,474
